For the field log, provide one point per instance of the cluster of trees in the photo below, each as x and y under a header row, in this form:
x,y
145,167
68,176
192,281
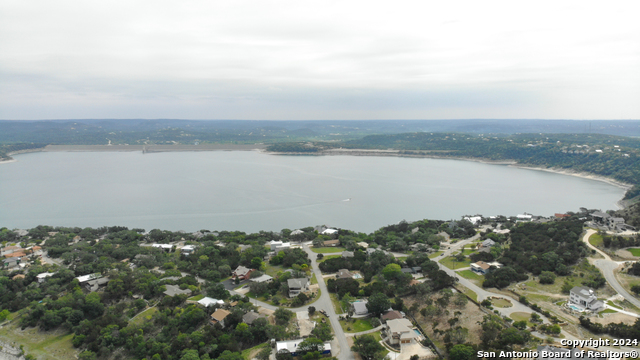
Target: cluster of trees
x,y
539,249
617,330
617,242
6,149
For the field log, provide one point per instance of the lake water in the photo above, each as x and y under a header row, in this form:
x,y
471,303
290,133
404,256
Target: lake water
x,y
251,191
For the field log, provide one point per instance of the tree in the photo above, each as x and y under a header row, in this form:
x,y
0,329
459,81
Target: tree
x,y
378,304
547,277
391,271
367,347
310,344
283,316
323,332
284,354
462,352
636,289
312,310
190,355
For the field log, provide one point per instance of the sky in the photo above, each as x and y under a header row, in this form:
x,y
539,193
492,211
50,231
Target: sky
x,y
291,60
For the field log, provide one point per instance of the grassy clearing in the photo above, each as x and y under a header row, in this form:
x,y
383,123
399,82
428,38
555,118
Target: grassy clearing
x,y
451,262
595,240
250,353
336,304
196,298
634,251
607,311
469,274
520,316
43,345
435,254
610,303
326,257
356,325
144,316
470,293
273,270
501,303
328,250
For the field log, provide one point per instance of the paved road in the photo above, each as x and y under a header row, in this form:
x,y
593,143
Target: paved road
x,y
340,347
608,267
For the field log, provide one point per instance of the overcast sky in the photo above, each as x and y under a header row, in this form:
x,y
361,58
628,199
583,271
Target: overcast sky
x,y
319,59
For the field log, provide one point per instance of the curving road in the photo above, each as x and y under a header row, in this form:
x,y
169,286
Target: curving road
x,y
608,267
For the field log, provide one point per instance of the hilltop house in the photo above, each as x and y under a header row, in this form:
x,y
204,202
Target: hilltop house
x,y
400,331
609,222
586,298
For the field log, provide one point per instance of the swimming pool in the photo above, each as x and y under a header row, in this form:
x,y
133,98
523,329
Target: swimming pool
x,y
576,308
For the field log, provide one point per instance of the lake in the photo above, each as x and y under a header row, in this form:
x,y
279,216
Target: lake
x,y
251,191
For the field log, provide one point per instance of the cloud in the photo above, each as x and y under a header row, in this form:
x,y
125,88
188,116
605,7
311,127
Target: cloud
x,y
201,59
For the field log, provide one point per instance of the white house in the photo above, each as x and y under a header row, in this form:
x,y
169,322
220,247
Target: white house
x,y
296,286
273,244
207,301
329,232
262,278
42,277
291,346
586,298
165,247
188,249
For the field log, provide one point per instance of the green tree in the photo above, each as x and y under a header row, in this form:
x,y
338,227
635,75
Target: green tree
x,y
190,355
462,352
283,316
368,347
310,344
378,303
547,277
391,271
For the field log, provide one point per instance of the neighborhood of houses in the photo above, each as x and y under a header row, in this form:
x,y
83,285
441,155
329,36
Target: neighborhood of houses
x,y
396,329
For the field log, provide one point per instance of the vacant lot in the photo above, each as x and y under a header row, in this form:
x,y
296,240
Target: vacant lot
x,y
452,263
55,345
355,325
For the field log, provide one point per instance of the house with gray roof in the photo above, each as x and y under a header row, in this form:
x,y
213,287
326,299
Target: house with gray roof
x,y
95,284
488,243
586,298
360,307
173,290
344,274
297,286
251,316
347,254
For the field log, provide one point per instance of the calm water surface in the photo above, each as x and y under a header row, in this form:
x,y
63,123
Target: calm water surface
x,y
250,191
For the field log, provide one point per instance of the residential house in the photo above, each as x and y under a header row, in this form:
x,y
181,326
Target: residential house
x,y
400,331
10,250
487,243
263,278
330,232
391,315
347,254
296,286
173,290
95,284
419,247
344,274
242,273
360,307
84,278
273,244
164,247
11,262
291,346
207,301
331,243
586,298
19,276
481,267
16,254
188,250
296,232
252,316
475,220
363,244
283,246
218,317
42,277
